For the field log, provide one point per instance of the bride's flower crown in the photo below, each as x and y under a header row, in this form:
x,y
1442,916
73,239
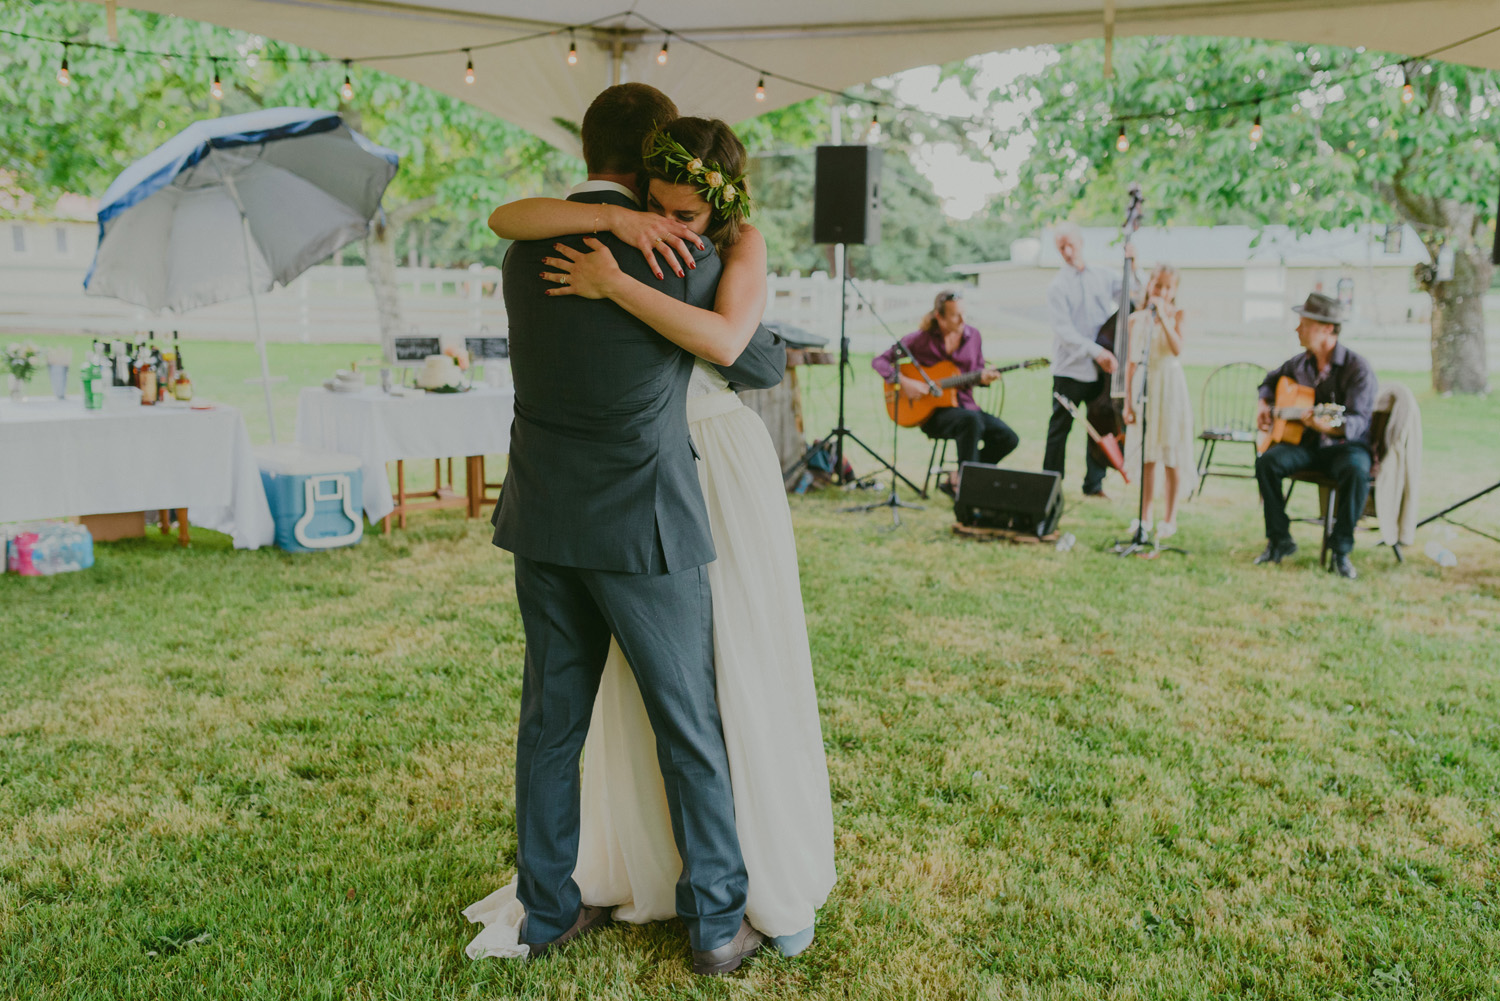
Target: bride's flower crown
x,y
725,195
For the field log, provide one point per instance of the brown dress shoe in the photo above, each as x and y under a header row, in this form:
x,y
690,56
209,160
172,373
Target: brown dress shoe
x,y
728,957
589,919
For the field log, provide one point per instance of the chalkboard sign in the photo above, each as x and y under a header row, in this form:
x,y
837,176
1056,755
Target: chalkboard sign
x,y
480,348
412,350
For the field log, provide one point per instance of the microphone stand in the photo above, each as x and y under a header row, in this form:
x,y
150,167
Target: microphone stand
x,y
1137,542
841,430
893,501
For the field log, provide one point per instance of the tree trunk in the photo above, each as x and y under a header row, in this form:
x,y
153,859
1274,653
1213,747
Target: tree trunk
x,y
1459,364
380,264
1458,350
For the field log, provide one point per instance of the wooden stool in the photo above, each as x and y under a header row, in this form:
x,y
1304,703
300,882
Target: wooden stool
x,y
442,496
164,519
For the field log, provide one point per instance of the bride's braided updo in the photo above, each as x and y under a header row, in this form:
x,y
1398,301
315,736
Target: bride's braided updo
x,y
706,154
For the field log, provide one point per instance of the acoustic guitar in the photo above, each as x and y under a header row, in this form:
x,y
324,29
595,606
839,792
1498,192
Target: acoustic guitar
x,y
1293,401
949,379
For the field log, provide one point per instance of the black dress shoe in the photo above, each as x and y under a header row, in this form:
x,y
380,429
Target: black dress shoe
x,y
1275,551
728,957
589,919
1342,566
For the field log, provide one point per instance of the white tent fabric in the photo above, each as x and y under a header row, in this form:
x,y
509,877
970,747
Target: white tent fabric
x,y
828,43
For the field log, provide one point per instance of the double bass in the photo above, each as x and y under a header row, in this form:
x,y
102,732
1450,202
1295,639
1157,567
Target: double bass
x,y
1106,412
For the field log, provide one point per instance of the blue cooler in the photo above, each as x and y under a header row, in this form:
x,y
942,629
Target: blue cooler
x,y
314,496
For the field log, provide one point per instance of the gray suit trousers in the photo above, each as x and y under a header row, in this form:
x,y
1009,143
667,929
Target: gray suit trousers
x,y
664,624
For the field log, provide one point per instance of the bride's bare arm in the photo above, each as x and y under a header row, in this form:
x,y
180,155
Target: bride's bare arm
x,y
718,335
548,218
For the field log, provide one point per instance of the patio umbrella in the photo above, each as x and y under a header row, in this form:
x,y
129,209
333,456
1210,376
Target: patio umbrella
x,y
236,205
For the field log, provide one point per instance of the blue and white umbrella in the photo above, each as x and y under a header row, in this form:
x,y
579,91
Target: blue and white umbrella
x,y
236,205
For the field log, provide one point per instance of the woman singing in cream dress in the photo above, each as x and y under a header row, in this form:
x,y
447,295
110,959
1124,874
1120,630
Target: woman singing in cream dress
x,y
1168,436
627,858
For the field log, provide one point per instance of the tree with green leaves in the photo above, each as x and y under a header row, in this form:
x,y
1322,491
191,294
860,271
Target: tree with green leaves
x,y
456,161
1342,140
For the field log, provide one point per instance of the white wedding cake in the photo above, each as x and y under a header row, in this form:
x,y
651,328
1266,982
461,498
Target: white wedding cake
x,y
439,372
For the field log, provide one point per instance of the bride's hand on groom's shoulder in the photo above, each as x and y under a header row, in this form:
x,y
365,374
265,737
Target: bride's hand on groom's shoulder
x,y
592,273
654,235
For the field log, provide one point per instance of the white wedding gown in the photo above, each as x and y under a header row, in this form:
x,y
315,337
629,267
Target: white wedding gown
x,y
626,856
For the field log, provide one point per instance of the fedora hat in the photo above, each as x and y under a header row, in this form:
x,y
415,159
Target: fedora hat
x,y
1322,308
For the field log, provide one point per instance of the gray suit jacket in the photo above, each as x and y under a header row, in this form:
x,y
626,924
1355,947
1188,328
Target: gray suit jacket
x,y
601,472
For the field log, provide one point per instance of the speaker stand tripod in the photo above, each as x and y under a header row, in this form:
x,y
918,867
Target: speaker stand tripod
x,y
841,430
1137,543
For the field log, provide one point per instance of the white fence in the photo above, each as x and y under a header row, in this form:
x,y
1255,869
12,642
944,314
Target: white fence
x,y
325,304
330,304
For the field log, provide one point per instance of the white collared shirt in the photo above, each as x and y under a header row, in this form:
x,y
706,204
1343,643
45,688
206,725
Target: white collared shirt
x,y
587,187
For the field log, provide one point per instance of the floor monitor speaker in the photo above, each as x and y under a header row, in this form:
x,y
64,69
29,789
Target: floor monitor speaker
x,y
846,195
1016,499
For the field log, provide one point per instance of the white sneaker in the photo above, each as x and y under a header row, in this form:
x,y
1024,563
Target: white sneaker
x,y
1166,531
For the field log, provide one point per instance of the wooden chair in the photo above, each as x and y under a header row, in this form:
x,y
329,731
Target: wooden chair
x,y
1328,489
1226,414
991,400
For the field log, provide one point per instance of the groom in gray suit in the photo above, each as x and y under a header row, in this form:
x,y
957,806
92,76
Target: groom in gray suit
x,y
603,511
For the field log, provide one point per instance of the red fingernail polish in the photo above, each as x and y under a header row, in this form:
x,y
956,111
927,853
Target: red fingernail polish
x,y
681,275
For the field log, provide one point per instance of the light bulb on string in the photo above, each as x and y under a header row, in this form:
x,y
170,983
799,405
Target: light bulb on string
x,y
63,76
873,134
1408,94
1256,132
661,57
760,89
572,49
216,88
469,67
347,90
1122,142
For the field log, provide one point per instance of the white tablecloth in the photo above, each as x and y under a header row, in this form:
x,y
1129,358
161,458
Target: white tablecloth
x,y
379,428
58,459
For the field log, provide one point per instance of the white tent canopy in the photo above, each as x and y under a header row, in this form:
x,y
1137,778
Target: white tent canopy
x,y
826,43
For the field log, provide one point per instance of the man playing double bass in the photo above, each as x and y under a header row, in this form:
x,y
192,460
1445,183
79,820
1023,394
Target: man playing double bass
x,y
946,337
1079,300
1342,453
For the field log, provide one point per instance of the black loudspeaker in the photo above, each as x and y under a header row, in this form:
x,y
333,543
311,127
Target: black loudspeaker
x,y
1019,500
846,195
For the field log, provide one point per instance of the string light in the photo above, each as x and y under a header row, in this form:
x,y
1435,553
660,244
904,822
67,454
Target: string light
x,y
572,49
1255,130
217,88
469,69
873,133
63,76
1408,92
760,88
347,90
1122,143
661,57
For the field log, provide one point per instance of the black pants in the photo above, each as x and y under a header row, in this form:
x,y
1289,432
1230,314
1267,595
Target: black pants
x,y
1062,423
664,623
967,428
1348,465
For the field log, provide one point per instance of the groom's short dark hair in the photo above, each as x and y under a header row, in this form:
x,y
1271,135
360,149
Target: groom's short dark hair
x,y
617,123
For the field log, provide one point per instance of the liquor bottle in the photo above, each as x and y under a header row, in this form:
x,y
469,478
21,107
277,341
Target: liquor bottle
x,y
92,378
145,374
182,386
159,361
122,364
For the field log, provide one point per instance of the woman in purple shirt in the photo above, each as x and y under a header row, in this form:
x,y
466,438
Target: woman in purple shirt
x,y
944,336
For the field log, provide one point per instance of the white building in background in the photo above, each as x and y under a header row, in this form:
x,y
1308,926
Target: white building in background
x,y
1238,279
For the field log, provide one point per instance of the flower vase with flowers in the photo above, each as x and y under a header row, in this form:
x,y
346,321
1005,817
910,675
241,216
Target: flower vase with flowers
x,y
21,360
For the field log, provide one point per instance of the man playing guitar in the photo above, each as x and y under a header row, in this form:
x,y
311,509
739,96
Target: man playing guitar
x,y
946,337
1340,451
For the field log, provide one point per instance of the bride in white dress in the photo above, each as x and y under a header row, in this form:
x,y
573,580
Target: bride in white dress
x,y
627,858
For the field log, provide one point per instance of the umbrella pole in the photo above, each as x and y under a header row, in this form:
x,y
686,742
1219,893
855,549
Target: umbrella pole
x,y
260,341
260,337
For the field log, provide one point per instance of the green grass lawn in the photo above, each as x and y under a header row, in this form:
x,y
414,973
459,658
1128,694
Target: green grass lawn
x,y
1055,775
